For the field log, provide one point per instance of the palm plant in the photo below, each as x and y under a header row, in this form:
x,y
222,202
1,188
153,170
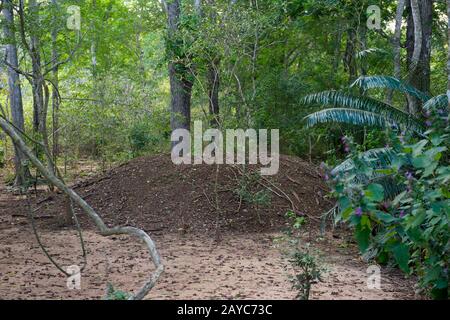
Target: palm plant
x,y
347,108
342,107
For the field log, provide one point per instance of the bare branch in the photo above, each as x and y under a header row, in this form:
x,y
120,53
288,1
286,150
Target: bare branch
x,y
103,229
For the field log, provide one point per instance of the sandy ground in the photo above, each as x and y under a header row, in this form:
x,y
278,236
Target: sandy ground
x,y
239,267
245,264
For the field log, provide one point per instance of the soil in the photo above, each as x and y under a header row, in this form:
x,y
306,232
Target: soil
x,y
213,241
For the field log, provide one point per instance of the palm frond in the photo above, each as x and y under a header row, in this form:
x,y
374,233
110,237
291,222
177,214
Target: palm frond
x,y
438,102
378,158
391,187
386,82
376,112
349,116
365,53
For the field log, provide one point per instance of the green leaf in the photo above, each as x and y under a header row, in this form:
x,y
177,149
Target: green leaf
x,y
418,147
438,102
399,198
362,235
346,213
416,220
384,217
386,82
401,255
421,162
375,192
365,222
436,139
432,274
348,116
347,108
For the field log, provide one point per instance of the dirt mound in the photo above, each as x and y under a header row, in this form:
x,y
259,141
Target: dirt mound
x,y
154,194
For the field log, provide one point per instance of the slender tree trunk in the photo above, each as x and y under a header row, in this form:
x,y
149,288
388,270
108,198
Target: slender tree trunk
x,y
180,79
15,92
213,73
363,46
396,41
349,57
448,60
39,114
94,51
418,34
213,91
39,87
419,48
337,50
55,96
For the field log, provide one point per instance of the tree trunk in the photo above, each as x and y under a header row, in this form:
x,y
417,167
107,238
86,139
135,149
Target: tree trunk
x,y
180,80
349,57
213,73
213,91
419,63
94,48
396,42
418,34
448,60
15,92
363,66
397,39
55,96
40,98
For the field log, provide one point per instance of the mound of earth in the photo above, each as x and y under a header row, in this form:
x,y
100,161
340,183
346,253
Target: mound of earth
x,y
177,205
154,194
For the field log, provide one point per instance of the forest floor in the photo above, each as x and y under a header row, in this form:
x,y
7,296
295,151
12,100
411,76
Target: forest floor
x,y
213,243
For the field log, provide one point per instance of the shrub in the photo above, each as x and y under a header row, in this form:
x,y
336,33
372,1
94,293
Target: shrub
x,y
140,137
398,200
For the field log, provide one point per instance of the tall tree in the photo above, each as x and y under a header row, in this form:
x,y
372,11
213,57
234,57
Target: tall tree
x,y
213,90
39,87
419,32
213,77
448,45
15,92
397,39
94,47
396,42
180,78
40,112
55,88
350,55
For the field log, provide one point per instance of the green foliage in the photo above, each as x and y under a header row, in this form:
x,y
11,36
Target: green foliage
x,y
143,137
249,190
310,272
295,220
410,226
391,83
362,111
306,264
113,294
439,102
